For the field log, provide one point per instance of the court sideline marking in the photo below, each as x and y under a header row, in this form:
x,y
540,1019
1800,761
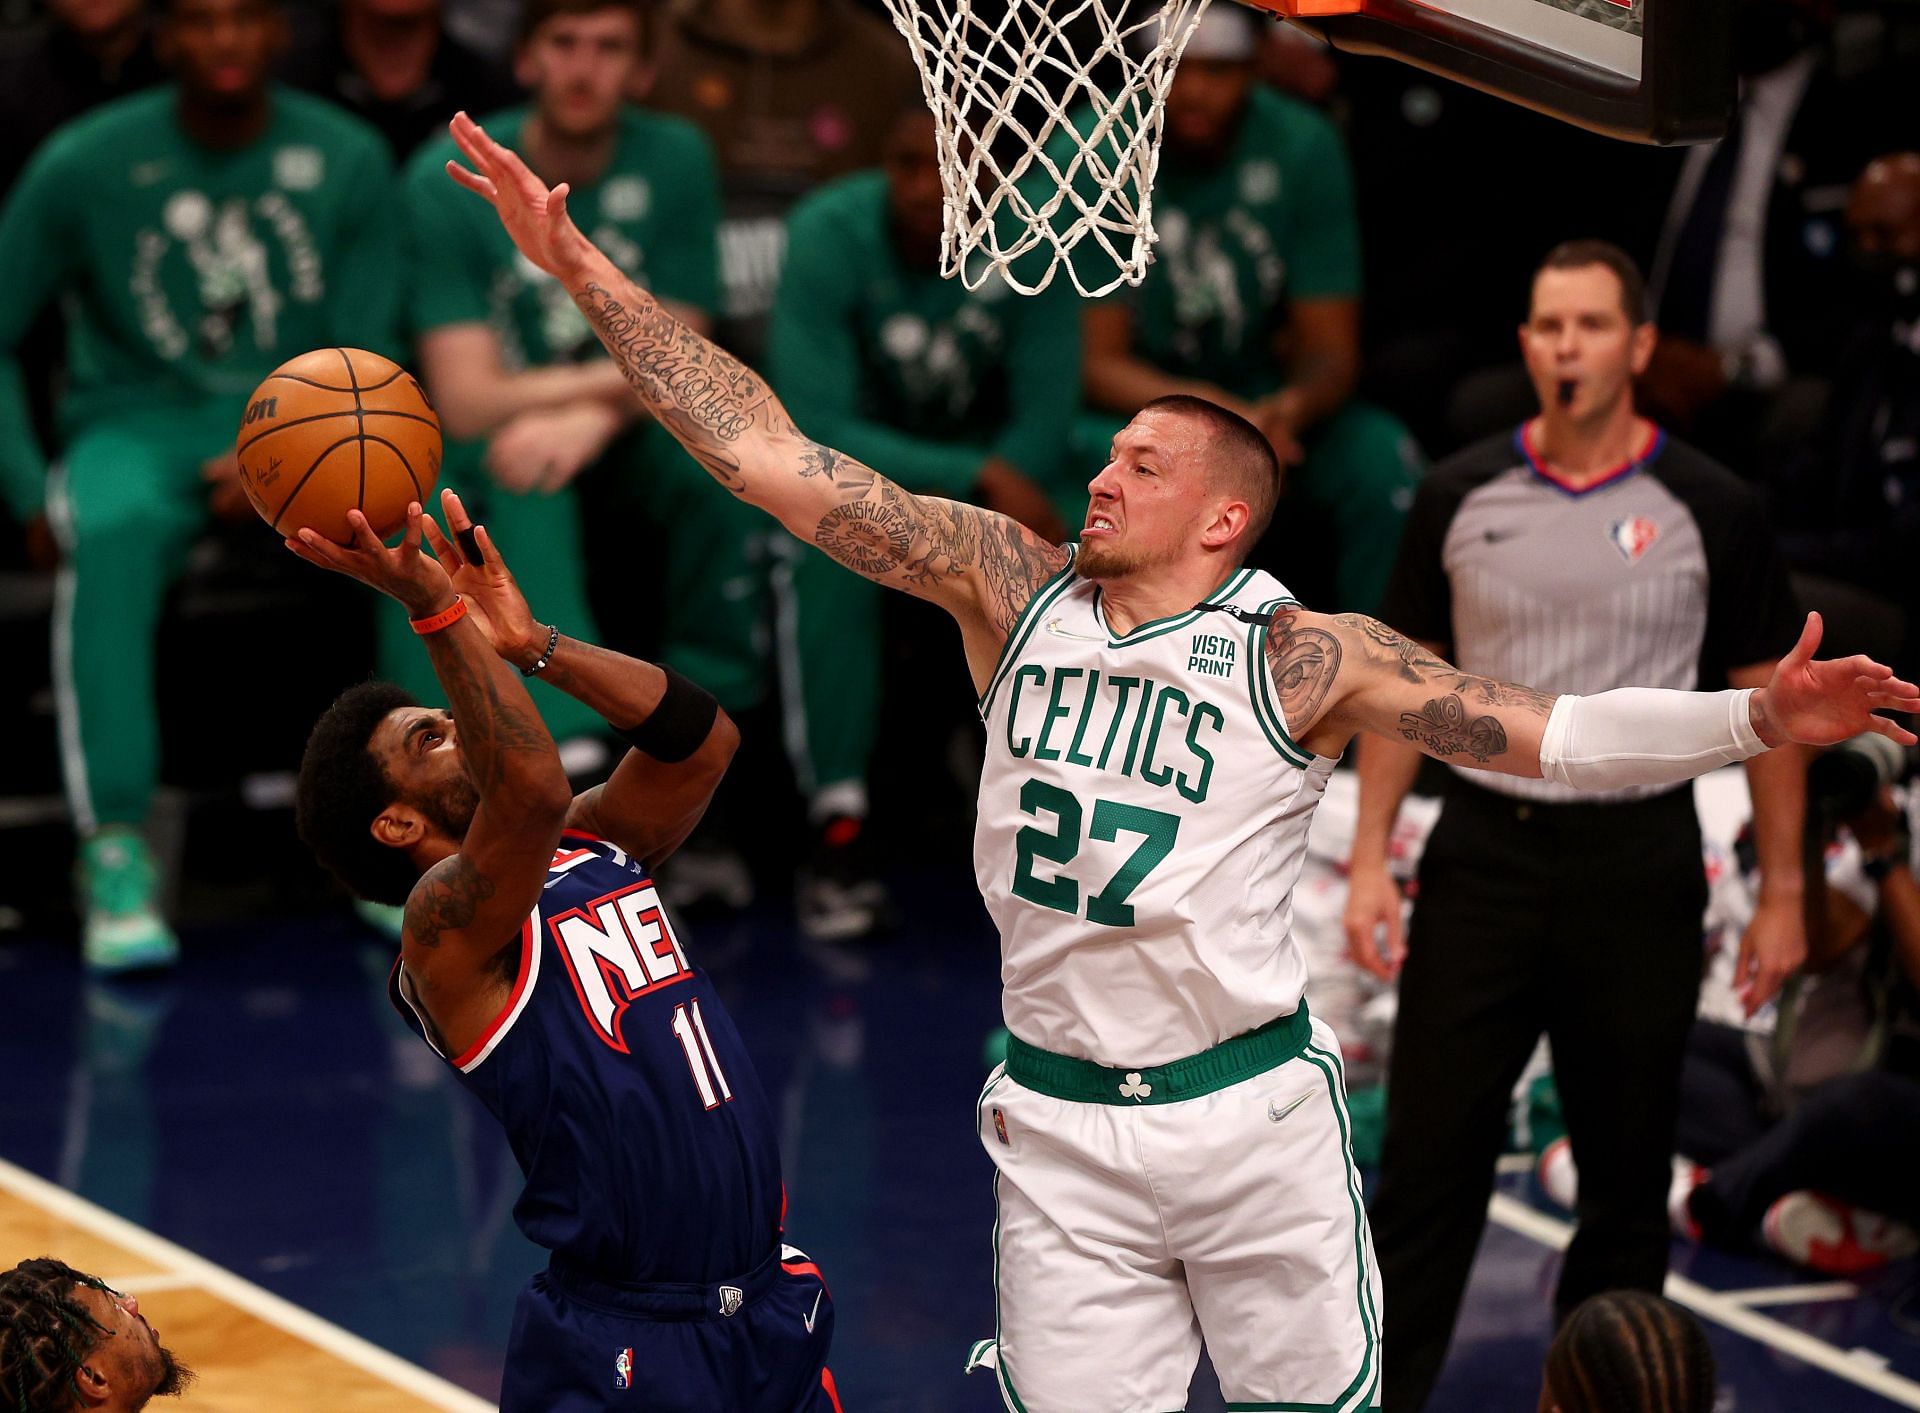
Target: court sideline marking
x,y
184,1268
1727,1311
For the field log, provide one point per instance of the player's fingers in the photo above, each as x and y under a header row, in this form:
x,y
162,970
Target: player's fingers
x,y
557,205
471,181
410,541
1892,731
322,551
490,552
455,510
360,533
1802,651
443,549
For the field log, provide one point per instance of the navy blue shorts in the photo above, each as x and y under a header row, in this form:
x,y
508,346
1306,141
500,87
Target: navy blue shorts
x,y
757,1344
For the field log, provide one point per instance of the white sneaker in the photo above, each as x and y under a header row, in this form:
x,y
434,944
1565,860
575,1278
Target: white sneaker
x,y
1833,1237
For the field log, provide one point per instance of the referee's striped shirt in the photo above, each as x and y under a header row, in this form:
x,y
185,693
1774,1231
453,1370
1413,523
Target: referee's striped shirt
x,y
1662,573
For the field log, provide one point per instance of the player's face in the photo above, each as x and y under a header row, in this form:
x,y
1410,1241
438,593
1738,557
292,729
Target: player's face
x,y
913,186
1205,103
1581,350
1147,504
579,66
222,50
419,747
129,1356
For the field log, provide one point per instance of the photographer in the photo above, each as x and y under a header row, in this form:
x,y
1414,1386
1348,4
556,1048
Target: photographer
x,y
1802,1124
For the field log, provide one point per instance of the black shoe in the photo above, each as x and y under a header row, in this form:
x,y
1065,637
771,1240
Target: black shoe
x,y
839,899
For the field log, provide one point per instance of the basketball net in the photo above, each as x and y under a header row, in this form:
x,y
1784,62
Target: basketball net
x,y
1027,185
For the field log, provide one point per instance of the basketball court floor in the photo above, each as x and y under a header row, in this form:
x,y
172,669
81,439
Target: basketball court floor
x,y
316,1218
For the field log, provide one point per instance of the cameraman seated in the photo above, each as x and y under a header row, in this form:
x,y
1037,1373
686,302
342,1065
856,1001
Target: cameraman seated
x,y
1801,1126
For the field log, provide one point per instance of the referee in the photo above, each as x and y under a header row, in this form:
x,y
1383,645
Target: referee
x,y
1585,551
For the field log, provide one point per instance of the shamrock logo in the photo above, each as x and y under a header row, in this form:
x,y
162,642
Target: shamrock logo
x,y
1134,1089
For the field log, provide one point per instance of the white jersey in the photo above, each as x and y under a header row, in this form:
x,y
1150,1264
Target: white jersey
x,y
1143,817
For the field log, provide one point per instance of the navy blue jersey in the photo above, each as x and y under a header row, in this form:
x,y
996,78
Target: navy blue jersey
x,y
648,1146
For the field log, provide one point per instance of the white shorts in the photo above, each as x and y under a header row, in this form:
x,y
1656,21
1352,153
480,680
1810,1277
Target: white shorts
x,y
1128,1232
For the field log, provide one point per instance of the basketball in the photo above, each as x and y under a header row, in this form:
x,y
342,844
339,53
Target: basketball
x,y
332,430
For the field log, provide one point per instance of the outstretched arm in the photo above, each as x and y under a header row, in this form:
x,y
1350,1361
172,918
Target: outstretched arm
x,y
1336,676
981,567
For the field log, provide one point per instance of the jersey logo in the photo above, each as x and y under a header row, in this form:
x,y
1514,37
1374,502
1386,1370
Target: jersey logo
x,y
1133,1089
731,1297
618,948
623,1369
1000,1125
1211,655
1633,537
1053,627
1275,1113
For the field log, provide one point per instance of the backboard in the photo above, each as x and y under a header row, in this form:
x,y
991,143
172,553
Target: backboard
x,y
1658,71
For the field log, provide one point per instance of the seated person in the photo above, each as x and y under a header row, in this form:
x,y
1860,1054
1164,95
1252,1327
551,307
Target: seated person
x,y
393,63
961,394
1800,1126
197,236
526,399
1253,301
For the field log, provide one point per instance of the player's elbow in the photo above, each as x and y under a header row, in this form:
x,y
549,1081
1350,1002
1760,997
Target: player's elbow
x,y
539,787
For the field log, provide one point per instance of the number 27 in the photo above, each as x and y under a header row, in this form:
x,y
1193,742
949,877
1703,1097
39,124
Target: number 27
x,y
1109,906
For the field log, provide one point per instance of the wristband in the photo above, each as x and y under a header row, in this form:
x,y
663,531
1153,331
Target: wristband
x,y
445,618
553,641
675,728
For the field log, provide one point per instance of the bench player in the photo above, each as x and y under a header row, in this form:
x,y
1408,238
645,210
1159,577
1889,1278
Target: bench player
x,y
536,960
1170,1125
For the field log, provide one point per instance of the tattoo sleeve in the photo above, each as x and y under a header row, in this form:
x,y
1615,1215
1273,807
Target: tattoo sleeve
x,y
1303,661
500,732
729,421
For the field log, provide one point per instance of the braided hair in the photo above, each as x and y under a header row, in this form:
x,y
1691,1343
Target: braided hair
x,y
45,1336
1626,1351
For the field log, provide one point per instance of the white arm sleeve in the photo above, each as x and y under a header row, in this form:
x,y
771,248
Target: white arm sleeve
x,y
1645,736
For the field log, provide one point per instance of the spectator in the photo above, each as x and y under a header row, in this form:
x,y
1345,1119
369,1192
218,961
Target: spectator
x,y
1748,271
1849,505
1629,1352
793,93
85,53
393,63
524,394
1254,300
1586,551
963,395
1800,1127
199,235
69,1340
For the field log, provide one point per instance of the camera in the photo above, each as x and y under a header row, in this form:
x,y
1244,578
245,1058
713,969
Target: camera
x,y
1844,778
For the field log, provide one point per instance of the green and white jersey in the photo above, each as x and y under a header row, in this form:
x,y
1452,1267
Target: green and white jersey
x,y
1143,817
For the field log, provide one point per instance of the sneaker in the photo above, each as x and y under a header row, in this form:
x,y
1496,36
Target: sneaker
x,y
118,889
1687,1175
1833,1237
839,898
1556,1174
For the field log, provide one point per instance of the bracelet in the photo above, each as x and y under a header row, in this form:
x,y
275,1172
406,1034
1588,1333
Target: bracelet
x,y
553,641
447,616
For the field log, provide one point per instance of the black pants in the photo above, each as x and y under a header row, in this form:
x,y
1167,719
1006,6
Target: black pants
x,y
1582,921
1855,1137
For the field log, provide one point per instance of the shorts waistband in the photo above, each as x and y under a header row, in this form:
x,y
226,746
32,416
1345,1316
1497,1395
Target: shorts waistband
x,y
667,1300
1229,1062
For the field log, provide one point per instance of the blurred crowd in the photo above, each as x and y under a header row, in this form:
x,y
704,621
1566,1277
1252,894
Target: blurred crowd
x,y
195,191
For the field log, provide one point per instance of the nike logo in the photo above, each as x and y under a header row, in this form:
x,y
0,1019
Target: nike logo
x,y
814,1313
1277,1114
1053,627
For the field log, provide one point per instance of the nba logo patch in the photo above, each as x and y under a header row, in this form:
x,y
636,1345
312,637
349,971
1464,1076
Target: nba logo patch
x,y
1633,537
1000,1125
623,1369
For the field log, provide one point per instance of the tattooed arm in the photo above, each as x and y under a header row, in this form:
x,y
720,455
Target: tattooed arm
x,y
981,567
461,927
1342,674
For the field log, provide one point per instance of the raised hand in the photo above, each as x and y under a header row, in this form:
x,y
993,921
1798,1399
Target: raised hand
x,y
494,600
534,214
403,573
1819,703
